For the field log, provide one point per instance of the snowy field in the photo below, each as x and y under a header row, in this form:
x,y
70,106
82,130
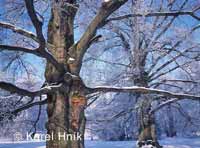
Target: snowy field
x,y
168,143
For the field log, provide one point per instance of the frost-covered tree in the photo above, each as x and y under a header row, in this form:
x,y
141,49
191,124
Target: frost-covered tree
x,y
161,41
65,89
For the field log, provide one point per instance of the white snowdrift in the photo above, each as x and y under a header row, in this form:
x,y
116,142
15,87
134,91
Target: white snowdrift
x,y
167,143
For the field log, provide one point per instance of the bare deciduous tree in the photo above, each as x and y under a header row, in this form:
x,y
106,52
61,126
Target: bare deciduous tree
x,y
65,90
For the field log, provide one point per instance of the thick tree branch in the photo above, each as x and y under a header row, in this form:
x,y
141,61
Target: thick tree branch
x,y
82,45
19,30
23,92
36,22
41,53
144,90
42,42
22,49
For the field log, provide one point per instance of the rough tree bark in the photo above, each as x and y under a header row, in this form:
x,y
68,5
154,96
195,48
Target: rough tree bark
x,y
147,125
65,90
65,108
147,130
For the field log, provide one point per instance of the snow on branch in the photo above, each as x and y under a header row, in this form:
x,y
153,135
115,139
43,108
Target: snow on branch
x,y
143,90
19,30
23,92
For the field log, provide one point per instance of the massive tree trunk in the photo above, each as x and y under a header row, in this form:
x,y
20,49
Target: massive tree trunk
x,y
65,108
66,117
139,52
147,129
147,126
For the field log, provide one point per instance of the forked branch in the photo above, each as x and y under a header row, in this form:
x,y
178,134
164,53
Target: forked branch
x,y
42,42
83,44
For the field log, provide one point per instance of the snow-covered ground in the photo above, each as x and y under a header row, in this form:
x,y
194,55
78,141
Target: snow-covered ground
x,y
168,143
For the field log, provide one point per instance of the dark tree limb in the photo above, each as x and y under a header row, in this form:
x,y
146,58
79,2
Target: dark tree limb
x,y
22,49
36,22
83,44
23,92
156,14
27,106
42,42
19,30
38,117
40,53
